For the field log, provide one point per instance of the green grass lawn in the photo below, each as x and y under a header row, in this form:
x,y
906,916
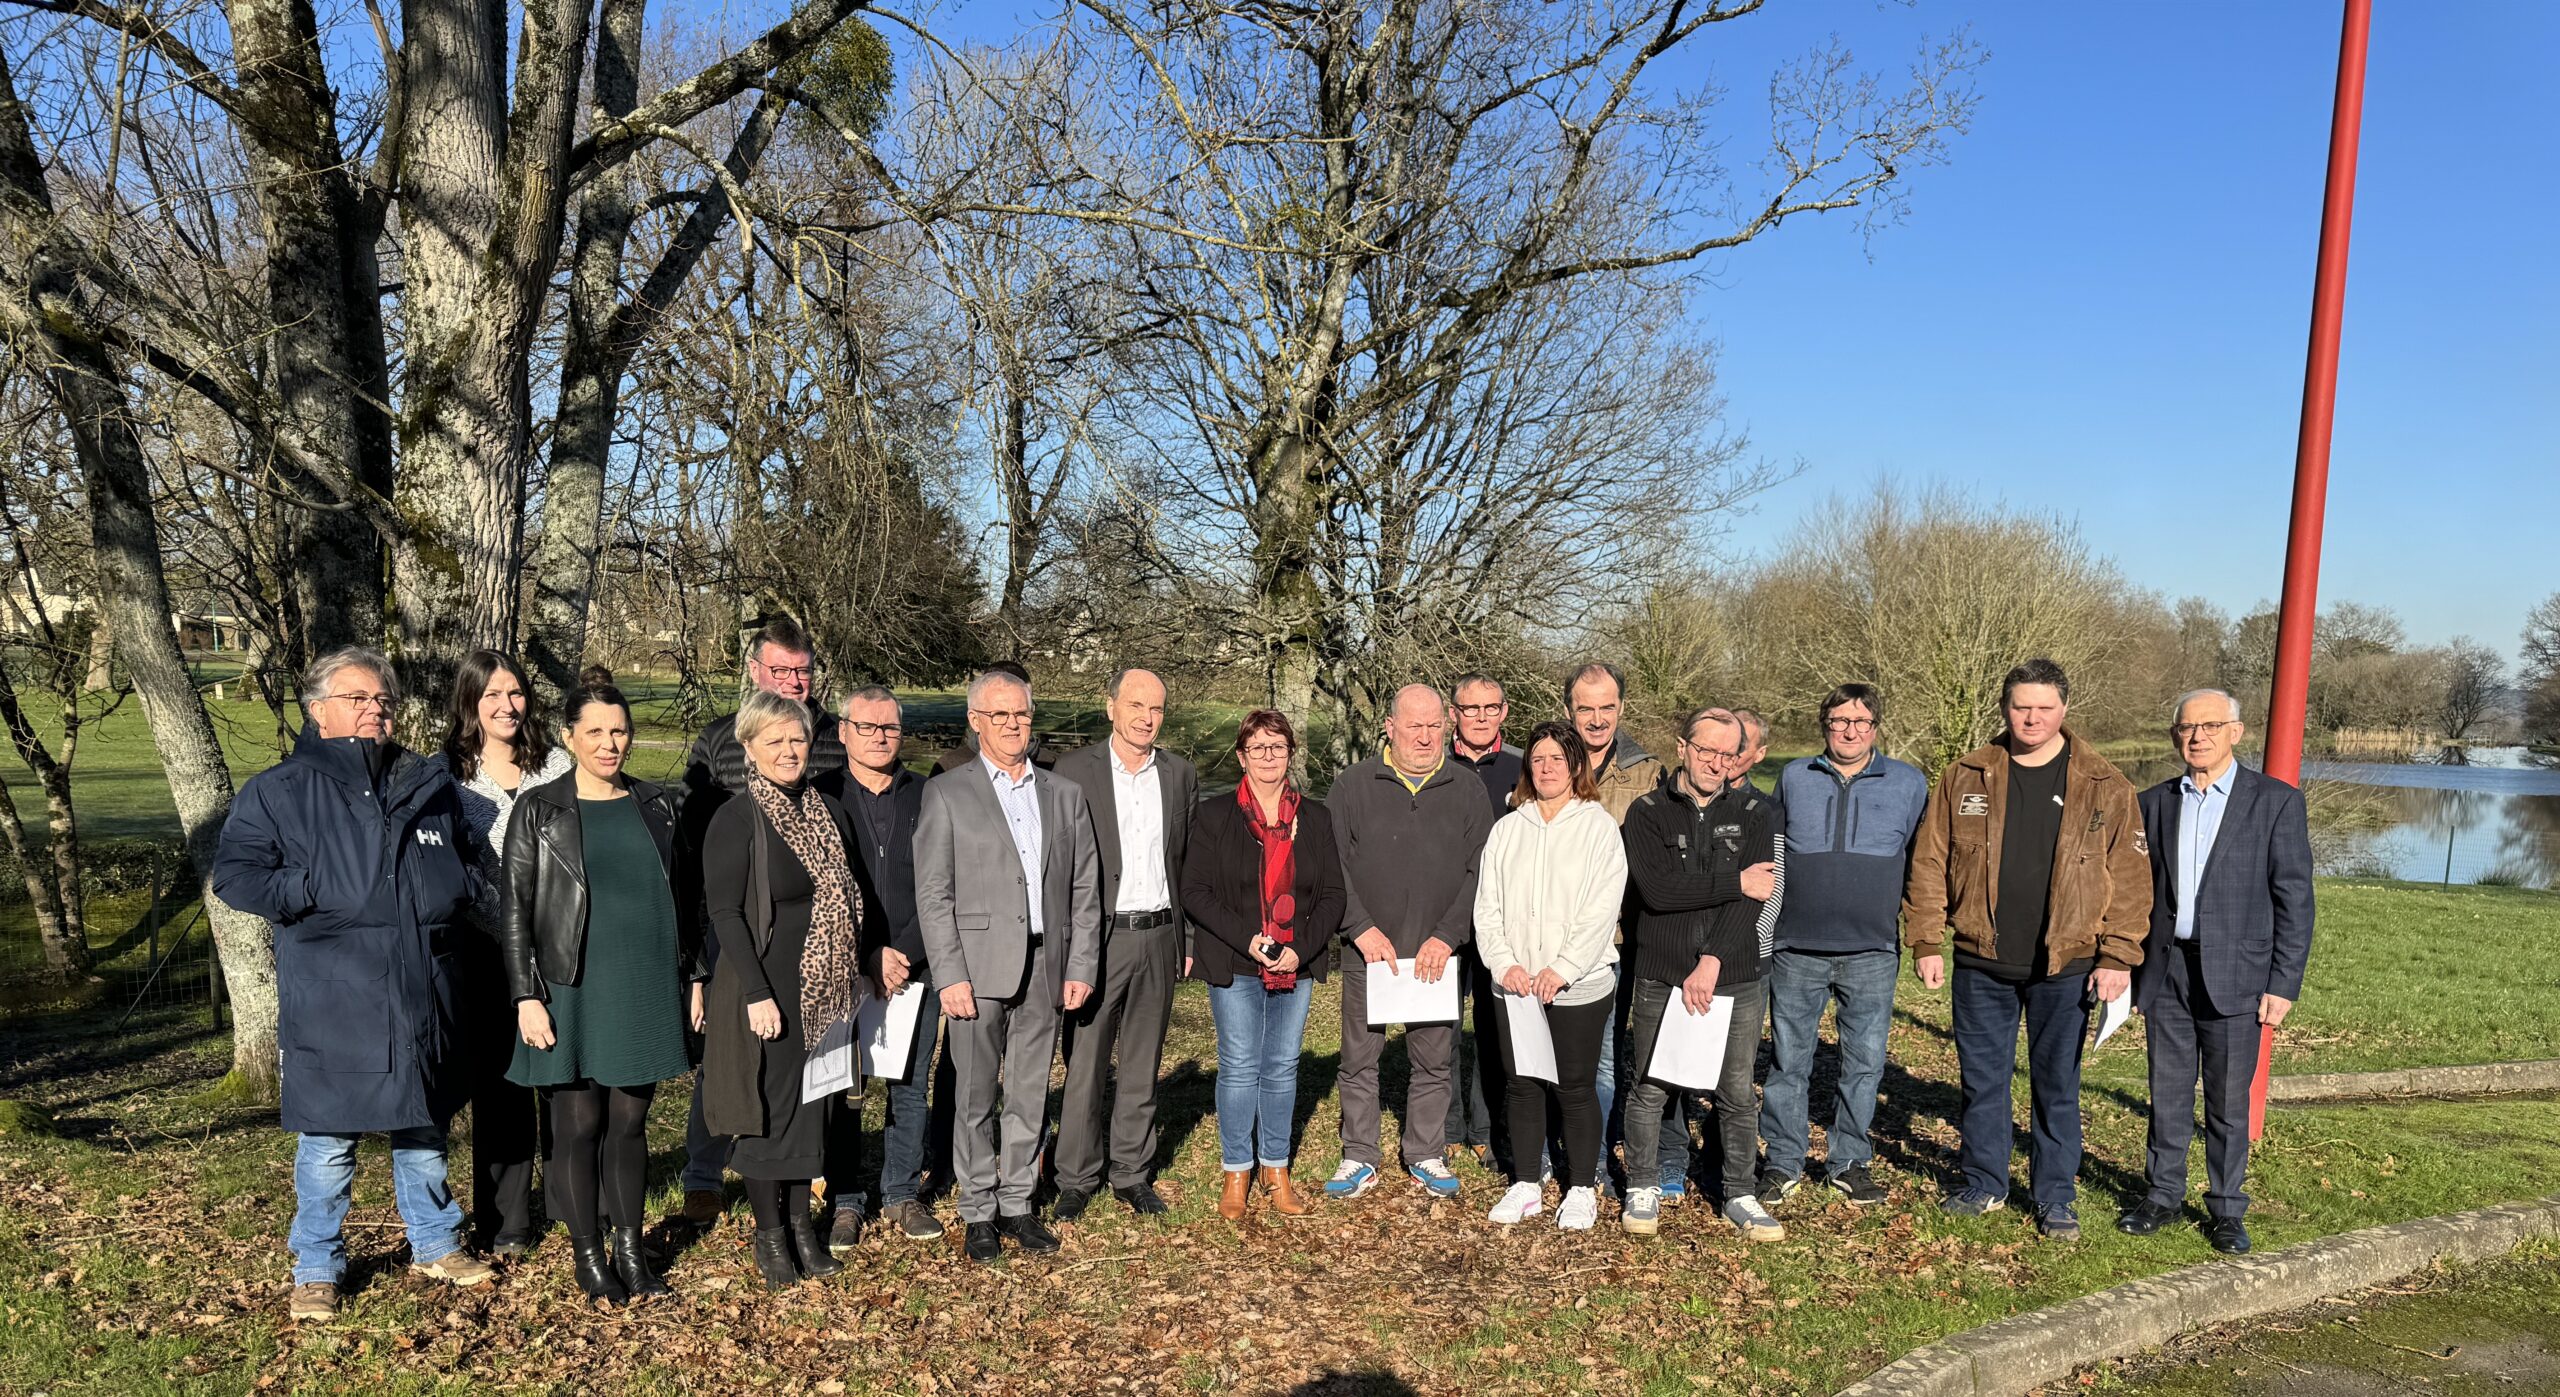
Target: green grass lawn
x,y
142,1251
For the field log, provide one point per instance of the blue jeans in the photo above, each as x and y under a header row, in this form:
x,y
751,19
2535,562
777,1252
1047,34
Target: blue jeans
x,y
324,1184
1672,1156
1260,1034
1987,1010
903,1129
1800,985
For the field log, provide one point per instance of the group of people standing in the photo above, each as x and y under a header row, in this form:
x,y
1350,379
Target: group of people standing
x,y
518,919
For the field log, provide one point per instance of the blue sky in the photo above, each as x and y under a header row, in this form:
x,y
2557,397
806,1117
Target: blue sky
x,y
2100,307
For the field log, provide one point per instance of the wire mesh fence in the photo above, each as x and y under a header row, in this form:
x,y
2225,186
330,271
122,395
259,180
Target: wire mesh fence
x,y
147,945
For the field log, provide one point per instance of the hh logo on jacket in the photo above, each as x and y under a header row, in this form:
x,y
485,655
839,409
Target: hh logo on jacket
x,y
432,837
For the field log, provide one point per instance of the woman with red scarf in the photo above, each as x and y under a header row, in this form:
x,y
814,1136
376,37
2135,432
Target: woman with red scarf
x,y
1264,881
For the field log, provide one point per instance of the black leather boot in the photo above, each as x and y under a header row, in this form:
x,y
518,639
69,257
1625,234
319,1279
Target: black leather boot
x,y
632,1266
816,1262
595,1270
773,1258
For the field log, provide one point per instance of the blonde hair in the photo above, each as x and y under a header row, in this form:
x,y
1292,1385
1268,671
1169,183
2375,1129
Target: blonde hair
x,y
762,710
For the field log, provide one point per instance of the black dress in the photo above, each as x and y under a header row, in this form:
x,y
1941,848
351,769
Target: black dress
x,y
792,1143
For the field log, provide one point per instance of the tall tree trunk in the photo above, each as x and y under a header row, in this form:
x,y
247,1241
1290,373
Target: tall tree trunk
x,y
102,654
40,301
481,202
65,955
1021,508
324,296
603,336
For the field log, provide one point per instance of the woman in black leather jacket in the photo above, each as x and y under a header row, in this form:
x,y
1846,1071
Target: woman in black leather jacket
x,y
595,962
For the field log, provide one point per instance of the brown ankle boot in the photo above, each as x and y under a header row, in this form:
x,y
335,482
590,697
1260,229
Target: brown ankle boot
x,y
1231,1200
1275,1183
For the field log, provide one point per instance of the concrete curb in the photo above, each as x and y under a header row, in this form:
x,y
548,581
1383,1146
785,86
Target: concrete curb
x,y
2012,1355
2484,1079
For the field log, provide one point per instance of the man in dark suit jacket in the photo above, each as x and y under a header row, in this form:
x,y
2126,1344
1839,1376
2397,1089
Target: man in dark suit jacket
x,y
2230,935
1140,796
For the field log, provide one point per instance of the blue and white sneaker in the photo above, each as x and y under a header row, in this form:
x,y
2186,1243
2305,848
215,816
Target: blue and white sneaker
x,y
1673,1190
1433,1174
1351,1180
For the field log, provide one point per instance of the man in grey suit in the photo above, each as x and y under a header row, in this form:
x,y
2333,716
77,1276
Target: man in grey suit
x,y
1141,798
2230,935
1008,893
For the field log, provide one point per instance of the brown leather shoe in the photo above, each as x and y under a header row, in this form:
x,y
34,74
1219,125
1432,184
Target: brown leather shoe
x,y
703,1206
1275,1186
1231,1201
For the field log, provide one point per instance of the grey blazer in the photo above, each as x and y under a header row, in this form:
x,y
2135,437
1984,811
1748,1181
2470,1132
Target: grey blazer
x,y
971,899
1177,785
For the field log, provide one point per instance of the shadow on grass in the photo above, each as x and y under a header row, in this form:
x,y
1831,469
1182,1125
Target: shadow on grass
x,y
1365,1382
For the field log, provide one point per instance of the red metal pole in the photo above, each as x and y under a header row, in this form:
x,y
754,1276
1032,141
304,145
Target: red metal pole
x,y
2290,705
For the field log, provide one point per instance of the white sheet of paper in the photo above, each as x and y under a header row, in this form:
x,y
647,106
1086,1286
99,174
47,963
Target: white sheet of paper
x,y
830,1067
2111,1015
1533,1047
1688,1050
885,1031
1400,998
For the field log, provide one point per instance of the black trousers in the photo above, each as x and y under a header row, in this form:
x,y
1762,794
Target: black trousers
x,y
2189,1040
1577,1030
1477,1096
506,1125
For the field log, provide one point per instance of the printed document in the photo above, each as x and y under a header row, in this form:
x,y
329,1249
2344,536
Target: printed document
x,y
1400,998
1533,1048
1689,1049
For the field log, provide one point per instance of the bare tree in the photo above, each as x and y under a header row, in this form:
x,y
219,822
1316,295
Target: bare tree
x,y
2474,676
1933,599
52,324
1366,206
2538,669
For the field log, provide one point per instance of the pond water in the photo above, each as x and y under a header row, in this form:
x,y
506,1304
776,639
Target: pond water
x,y
2494,818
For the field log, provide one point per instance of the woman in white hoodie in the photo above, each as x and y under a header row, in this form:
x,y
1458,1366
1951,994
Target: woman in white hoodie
x,y
1547,897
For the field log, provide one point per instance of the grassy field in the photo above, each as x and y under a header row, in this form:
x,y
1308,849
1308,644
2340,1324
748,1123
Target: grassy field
x,y
141,1247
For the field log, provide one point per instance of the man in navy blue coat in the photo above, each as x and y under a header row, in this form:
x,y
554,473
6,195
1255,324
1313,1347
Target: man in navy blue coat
x,y
2230,935
352,848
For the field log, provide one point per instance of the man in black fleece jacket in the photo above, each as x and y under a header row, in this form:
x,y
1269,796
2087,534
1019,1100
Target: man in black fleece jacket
x,y
1411,827
1700,849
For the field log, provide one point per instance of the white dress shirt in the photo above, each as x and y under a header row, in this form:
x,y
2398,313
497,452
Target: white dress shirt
x,y
1137,798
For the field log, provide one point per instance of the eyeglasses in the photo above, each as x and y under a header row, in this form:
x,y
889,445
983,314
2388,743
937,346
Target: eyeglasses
x,y
2182,731
382,701
1265,751
1849,724
1004,718
788,671
889,730
1710,751
1481,710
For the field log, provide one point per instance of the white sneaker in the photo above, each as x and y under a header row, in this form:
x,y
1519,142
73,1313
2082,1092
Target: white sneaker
x,y
1580,1208
1753,1221
1521,1200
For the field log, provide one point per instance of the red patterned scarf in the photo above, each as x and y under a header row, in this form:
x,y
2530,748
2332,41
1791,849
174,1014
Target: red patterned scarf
x,y
1279,873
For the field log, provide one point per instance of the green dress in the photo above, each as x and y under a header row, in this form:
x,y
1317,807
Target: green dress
x,y
622,1024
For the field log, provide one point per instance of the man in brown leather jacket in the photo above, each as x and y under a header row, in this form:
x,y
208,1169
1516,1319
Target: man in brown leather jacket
x,y
2031,852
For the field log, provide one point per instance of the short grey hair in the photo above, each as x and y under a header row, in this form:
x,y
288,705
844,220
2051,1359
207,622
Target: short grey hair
x,y
2223,694
317,680
762,710
871,693
988,679
1755,727
1721,717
